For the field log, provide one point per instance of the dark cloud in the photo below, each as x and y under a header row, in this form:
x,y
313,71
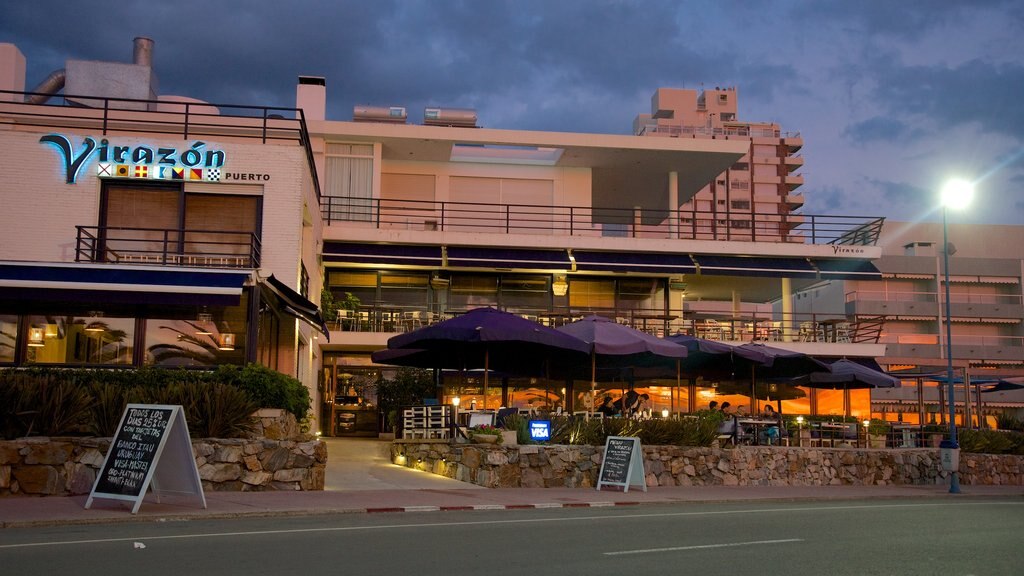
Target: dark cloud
x,y
902,193
974,92
879,128
903,19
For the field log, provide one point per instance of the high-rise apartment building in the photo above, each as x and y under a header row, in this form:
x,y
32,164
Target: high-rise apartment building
x,y
755,197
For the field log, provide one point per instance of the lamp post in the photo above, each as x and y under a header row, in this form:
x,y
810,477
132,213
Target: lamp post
x,y
955,194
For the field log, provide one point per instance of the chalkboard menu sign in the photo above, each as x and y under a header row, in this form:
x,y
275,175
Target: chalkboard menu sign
x,y
147,436
623,464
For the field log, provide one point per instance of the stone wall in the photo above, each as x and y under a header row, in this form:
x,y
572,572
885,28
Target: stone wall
x,y
537,466
68,466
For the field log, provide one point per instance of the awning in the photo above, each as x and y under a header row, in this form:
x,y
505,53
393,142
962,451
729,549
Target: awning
x,y
459,256
654,263
119,284
295,304
384,254
847,269
755,266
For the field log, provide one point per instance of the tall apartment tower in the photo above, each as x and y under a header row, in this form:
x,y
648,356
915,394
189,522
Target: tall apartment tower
x,y
755,199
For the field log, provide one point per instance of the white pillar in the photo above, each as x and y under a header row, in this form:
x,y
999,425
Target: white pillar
x,y
787,310
673,204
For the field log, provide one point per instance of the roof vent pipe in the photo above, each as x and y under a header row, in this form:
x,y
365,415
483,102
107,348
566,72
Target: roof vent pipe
x,y
142,55
48,87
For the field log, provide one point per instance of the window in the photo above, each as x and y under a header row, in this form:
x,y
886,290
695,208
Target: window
x,y
591,294
742,224
526,292
473,291
723,98
740,204
160,223
741,166
80,339
8,337
350,181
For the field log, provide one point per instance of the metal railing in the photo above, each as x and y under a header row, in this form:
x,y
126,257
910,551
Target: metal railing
x,y
162,246
695,131
186,119
955,298
391,317
601,222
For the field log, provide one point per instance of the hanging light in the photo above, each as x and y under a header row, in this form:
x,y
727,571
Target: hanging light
x,y
95,325
51,331
204,321
35,337
226,341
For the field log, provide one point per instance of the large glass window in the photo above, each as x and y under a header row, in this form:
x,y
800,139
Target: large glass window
x,y
591,295
207,337
90,339
642,294
473,291
8,337
526,293
404,290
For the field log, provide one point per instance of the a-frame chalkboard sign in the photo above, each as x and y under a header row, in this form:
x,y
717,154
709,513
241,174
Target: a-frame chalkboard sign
x,y
623,464
150,448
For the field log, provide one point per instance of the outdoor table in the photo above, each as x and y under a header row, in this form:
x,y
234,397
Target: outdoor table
x,y
758,426
832,429
907,433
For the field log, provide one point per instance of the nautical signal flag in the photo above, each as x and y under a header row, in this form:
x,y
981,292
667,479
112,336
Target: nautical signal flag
x,y
195,173
104,169
122,171
141,171
212,174
177,173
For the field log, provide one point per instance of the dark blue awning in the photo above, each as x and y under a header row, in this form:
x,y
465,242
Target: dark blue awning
x,y
460,256
651,263
384,254
755,266
120,284
847,269
296,304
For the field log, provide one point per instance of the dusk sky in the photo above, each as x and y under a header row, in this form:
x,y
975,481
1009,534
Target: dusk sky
x,y
891,97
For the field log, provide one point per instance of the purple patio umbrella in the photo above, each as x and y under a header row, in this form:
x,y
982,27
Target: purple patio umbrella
x,y
483,338
619,344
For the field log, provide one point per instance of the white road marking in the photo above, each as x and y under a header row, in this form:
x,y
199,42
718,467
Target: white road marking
x,y
701,547
511,521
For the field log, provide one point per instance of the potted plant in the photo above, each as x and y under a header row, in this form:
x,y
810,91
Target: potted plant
x,y
484,434
877,432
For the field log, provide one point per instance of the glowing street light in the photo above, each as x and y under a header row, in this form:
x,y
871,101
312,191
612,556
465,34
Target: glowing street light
x,y
956,194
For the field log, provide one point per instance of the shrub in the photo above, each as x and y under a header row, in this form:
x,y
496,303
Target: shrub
x,y
990,441
267,388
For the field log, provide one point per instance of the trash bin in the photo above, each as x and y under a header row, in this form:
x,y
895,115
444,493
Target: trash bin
x,y
949,455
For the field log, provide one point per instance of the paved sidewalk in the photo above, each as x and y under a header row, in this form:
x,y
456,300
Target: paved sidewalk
x,y
361,480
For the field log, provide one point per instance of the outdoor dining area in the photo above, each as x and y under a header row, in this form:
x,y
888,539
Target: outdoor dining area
x,y
487,360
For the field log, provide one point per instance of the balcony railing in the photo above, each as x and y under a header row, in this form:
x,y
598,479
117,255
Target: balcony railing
x,y
161,246
601,222
392,318
705,131
955,298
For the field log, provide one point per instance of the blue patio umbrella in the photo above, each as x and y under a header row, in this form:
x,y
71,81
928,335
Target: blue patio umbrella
x,y
484,338
614,344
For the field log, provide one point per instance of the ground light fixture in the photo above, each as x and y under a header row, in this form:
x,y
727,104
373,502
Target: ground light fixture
x,y
799,428
956,194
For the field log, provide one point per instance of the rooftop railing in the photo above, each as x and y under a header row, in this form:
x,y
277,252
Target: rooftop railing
x,y
601,222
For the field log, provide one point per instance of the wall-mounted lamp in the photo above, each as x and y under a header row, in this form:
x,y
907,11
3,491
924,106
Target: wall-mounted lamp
x,y
95,325
35,337
226,341
559,286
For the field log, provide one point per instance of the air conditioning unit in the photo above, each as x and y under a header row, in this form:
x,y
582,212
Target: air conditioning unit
x,y
676,283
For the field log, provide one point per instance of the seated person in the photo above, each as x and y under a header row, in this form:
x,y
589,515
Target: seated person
x,y
770,434
607,408
639,405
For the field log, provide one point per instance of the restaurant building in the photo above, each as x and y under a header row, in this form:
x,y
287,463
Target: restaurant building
x,y
147,230
143,229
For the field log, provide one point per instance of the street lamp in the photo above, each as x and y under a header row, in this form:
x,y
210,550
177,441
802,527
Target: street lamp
x,y
955,194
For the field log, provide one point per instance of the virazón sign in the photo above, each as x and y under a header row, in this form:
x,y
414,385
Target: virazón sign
x,y
154,162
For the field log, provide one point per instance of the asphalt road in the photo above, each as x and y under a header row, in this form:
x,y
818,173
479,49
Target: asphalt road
x,y
899,537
